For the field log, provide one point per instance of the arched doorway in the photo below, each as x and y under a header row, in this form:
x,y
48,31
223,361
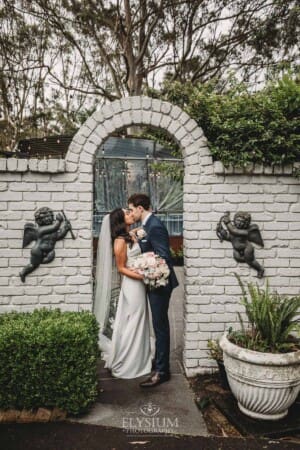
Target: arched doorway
x,y
158,114
125,165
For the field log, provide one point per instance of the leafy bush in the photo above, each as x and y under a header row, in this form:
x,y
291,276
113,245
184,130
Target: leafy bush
x,y
48,358
177,256
272,319
176,253
241,127
215,350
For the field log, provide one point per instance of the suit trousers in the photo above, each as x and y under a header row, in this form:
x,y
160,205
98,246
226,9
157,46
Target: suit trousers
x,y
159,303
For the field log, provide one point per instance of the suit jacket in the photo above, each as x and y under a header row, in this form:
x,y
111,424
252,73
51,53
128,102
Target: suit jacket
x,y
157,241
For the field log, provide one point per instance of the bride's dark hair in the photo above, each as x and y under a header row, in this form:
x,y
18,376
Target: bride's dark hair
x,y
118,227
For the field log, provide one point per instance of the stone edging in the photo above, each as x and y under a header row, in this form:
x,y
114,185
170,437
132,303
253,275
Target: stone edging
x,y
55,165
52,165
27,416
256,169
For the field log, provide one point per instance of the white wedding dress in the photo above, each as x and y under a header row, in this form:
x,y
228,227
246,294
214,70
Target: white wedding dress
x,y
128,354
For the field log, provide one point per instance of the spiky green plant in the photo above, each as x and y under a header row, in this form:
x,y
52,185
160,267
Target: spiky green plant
x,y
215,350
273,319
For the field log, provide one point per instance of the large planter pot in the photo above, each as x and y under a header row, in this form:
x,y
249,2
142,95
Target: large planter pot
x,y
264,384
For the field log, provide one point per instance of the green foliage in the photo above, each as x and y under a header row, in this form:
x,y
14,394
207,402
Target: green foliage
x,y
272,320
48,358
203,402
171,169
162,137
178,253
215,350
59,57
241,127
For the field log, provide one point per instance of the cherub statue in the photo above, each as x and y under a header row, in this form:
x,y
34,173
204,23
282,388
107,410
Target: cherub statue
x,y
240,233
45,233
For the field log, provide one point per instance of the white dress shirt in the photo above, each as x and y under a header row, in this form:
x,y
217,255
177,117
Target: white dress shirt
x,y
146,219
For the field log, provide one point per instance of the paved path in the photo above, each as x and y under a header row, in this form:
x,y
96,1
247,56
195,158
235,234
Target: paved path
x,y
66,436
167,408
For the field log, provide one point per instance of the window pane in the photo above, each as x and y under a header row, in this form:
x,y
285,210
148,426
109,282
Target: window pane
x,y
118,178
137,177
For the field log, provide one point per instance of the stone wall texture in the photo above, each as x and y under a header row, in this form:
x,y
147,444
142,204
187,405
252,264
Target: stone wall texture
x,y
211,292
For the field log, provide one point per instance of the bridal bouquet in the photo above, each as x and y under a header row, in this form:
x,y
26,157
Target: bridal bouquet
x,y
154,269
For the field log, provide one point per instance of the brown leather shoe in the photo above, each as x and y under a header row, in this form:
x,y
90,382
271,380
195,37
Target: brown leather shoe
x,y
155,379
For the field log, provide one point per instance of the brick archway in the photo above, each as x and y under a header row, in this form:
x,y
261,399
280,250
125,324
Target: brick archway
x,y
211,294
138,111
197,162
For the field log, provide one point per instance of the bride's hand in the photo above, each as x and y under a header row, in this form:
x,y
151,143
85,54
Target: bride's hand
x,y
136,230
133,235
136,271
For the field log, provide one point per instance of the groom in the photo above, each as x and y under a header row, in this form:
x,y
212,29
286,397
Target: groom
x,y
156,240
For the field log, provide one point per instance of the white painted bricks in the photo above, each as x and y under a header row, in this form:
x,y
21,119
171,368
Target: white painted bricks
x,y
211,292
139,110
33,165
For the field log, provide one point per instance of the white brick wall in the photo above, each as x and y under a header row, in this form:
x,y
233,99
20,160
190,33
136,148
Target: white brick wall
x,y
271,195
212,294
25,192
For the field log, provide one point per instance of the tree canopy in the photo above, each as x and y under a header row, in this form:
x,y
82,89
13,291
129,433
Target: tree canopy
x,y
58,58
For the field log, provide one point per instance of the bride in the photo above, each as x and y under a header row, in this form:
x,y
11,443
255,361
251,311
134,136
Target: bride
x,y
125,339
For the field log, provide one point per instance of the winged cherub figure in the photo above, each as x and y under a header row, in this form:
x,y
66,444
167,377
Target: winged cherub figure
x,y
45,233
241,234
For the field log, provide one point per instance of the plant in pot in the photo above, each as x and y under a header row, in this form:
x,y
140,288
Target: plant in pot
x,y
216,353
262,359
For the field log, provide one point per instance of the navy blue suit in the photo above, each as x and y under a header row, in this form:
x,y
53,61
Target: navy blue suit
x,y
157,241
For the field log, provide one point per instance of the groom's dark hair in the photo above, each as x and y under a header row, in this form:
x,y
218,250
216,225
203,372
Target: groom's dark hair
x,y
140,200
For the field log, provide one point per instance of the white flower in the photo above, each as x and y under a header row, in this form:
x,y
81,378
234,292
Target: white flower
x,y
141,233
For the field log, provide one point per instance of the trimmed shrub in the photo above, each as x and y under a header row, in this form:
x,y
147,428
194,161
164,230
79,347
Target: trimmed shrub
x,y
48,358
245,127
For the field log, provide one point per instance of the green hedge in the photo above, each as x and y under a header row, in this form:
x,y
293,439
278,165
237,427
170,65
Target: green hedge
x,y
245,127
48,358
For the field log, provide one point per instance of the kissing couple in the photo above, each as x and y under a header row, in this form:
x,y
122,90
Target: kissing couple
x,y
127,351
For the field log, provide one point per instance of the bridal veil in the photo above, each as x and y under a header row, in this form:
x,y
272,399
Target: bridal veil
x,y
107,278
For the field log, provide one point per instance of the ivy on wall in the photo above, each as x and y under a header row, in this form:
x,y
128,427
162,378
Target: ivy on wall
x,y
242,127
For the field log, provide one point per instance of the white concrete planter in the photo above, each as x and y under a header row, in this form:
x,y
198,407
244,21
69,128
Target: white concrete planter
x,y
264,384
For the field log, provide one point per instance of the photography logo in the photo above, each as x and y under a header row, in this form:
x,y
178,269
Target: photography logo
x,y
150,409
149,421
